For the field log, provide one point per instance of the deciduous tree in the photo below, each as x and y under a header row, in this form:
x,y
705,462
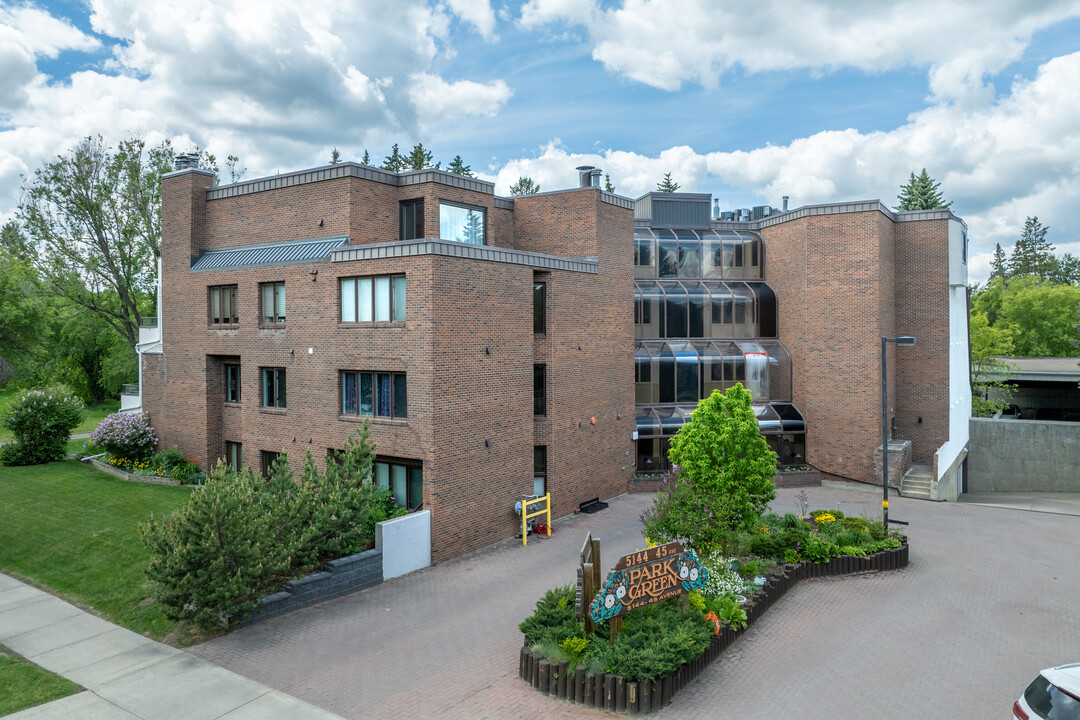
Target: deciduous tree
x,y
524,186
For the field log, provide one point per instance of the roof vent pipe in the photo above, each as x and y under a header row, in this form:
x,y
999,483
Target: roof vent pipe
x,y
716,208
585,175
594,177
785,203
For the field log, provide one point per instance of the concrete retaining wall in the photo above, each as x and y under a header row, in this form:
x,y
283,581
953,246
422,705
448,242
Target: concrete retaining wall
x,y
1023,456
405,543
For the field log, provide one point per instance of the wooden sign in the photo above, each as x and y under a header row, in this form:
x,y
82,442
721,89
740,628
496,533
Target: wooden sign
x,y
646,577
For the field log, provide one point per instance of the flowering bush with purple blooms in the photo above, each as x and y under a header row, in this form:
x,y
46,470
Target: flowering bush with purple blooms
x,y
42,421
125,435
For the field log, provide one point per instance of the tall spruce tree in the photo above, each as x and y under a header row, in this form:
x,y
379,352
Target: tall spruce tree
x,y
395,161
458,167
1033,253
335,155
366,159
921,193
420,158
997,264
667,184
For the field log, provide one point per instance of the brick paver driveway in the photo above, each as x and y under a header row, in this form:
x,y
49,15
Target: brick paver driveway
x,y
990,597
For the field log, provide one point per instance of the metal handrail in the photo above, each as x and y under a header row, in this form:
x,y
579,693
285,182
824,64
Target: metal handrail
x,y
129,389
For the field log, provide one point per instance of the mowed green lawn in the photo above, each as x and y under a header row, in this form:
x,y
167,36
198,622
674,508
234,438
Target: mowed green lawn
x,y
74,531
25,685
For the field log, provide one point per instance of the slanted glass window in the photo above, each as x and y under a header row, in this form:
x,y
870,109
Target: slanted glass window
x,y
373,299
539,389
377,394
273,387
412,219
539,307
689,254
273,303
539,470
232,383
667,251
644,254
462,223
234,455
223,310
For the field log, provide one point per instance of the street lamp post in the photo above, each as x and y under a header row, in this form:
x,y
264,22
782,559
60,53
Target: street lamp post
x,y
902,340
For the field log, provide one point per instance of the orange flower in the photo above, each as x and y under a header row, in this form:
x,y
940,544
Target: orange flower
x,y
715,620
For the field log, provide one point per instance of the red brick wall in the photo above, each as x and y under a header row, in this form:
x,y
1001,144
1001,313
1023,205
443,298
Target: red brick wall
x,y
459,396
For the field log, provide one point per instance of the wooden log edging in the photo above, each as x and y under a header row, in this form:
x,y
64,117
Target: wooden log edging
x,y
614,693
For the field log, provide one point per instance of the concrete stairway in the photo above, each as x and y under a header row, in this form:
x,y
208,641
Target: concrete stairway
x,y
916,482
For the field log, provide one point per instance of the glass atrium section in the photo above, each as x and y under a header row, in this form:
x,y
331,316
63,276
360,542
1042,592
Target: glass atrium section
x,y
781,425
461,223
688,371
710,254
703,309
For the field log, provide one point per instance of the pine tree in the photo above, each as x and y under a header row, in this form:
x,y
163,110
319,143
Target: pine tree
x,y
335,156
366,160
1033,254
667,184
921,193
395,161
997,264
473,231
458,167
608,187
419,158
524,186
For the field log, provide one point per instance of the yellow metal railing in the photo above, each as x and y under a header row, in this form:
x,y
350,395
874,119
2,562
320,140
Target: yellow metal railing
x,y
525,515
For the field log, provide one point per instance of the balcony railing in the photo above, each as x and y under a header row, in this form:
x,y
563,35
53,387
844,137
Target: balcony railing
x,y
130,389
148,322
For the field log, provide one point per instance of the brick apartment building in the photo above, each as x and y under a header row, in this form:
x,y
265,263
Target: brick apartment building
x,y
491,342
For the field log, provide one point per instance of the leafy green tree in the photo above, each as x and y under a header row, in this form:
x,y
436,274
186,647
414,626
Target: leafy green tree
x,y
524,186
366,159
921,193
420,158
236,173
1033,254
667,184
724,477
23,323
335,155
458,167
395,161
988,345
997,263
608,187
1043,318
15,242
94,215
41,421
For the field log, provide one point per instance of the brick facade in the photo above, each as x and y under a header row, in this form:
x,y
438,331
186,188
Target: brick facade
x,y
467,345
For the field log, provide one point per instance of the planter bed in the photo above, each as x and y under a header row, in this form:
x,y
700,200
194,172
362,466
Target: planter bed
x,y
125,475
614,694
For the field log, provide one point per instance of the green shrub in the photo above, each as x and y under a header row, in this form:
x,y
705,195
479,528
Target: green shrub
x,y
41,421
728,609
554,620
656,639
835,513
854,523
126,435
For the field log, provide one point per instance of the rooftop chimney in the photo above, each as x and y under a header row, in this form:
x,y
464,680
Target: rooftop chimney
x,y
785,203
585,174
594,177
716,208
187,161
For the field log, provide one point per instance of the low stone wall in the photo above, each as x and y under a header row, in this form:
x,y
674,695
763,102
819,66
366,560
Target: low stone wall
x,y
614,694
339,577
125,475
1016,456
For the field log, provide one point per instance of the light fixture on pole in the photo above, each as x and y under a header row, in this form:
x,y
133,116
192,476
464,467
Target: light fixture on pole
x,y
902,340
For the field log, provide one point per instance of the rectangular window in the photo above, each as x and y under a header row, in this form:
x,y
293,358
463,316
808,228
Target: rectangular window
x,y
373,299
232,383
273,303
539,308
223,309
539,470
234,456
378,394
268,459
462,223
404,480
539,389
273,387
412,219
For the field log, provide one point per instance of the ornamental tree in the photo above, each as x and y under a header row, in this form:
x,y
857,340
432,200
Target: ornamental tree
x,y
724,476
41,421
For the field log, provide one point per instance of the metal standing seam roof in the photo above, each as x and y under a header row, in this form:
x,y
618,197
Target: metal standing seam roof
x,y
282,253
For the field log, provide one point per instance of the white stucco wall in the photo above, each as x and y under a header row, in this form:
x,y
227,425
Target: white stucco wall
x,y
959,381
405,543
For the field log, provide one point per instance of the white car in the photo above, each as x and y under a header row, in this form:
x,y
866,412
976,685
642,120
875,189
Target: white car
x,y
1053,695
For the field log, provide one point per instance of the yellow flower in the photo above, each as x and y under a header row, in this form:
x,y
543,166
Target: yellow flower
x,y
825,518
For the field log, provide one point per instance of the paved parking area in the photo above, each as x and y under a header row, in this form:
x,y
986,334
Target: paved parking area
x,y
989,598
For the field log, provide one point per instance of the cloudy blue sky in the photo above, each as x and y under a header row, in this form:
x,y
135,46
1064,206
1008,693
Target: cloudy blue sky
x,y
821,100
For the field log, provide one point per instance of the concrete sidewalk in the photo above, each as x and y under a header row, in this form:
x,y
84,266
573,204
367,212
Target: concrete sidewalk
x,y
127,676
1058,503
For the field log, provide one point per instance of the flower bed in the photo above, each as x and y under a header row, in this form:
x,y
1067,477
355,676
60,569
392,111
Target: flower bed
x,y
615,693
